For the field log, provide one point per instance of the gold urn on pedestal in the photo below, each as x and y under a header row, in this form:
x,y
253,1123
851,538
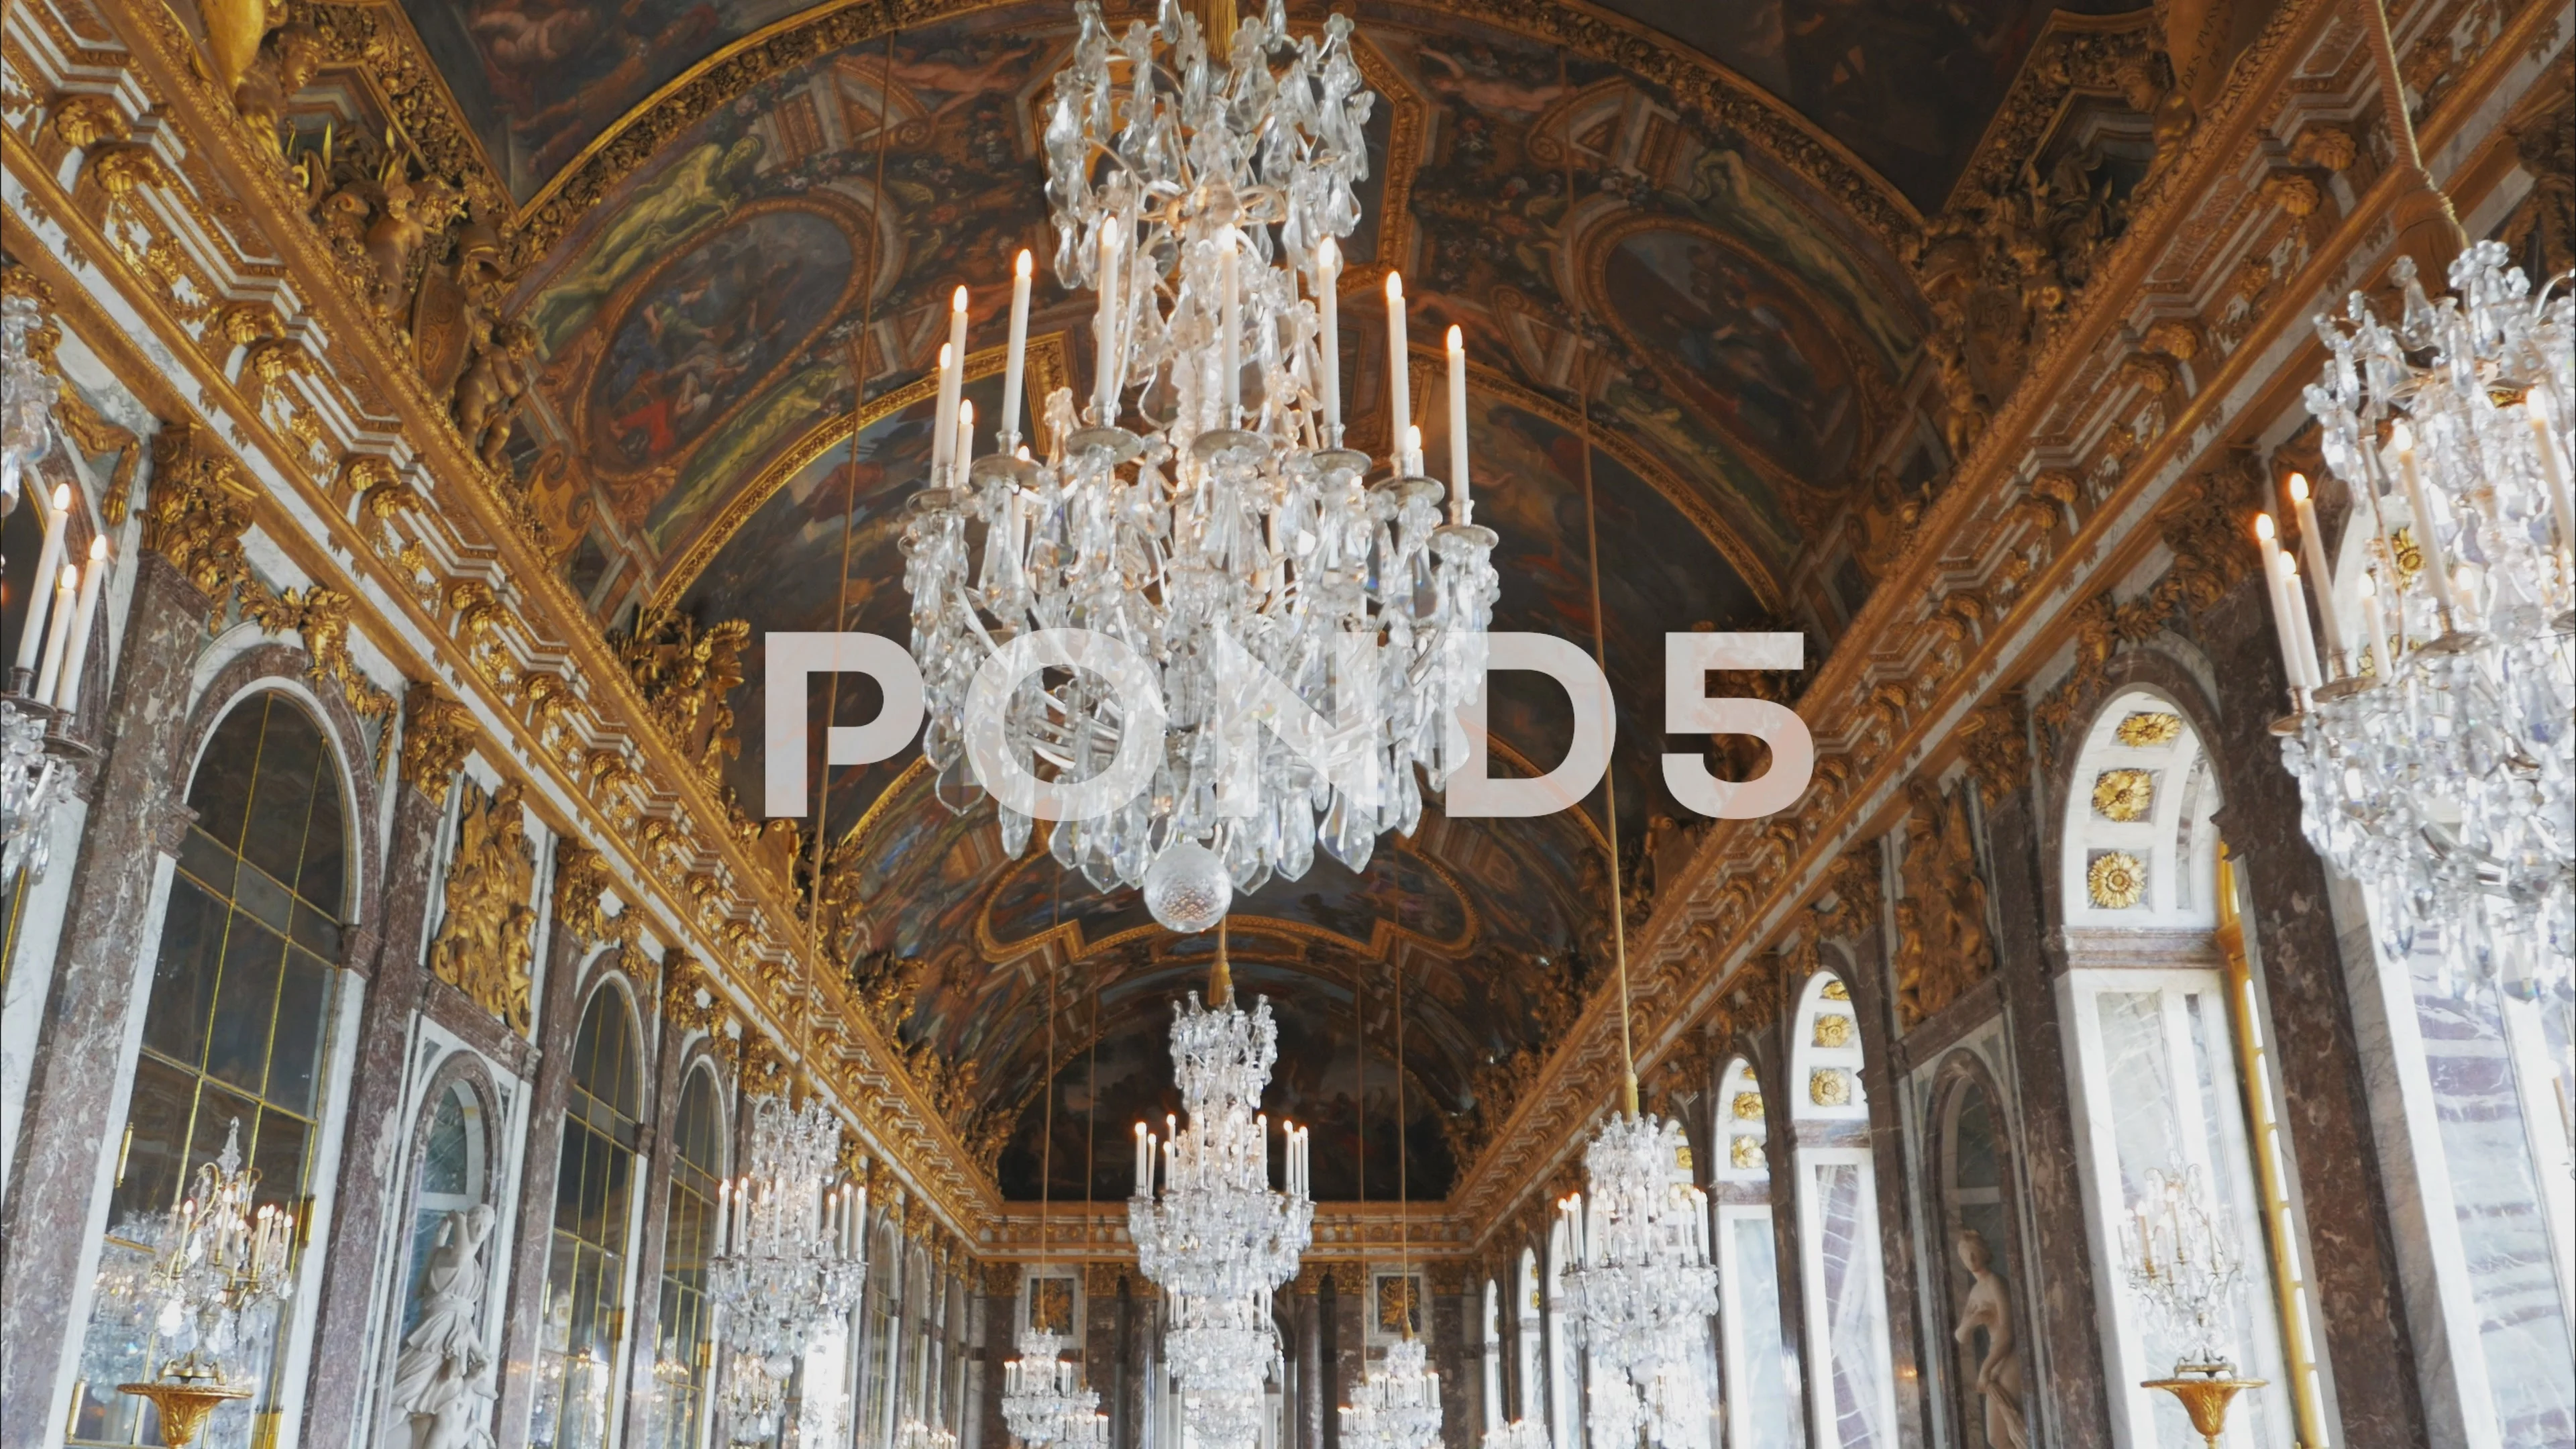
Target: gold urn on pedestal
x,y
2206,1390
185,1394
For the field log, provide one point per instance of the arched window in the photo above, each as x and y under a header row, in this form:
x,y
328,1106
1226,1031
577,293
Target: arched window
x,y
233,1034
2168,1030
685,1357
1526,1379
1564,1396
1760,1380
1979,1262
594,1199
1490,1318
451,1180
1843,1272
879,1346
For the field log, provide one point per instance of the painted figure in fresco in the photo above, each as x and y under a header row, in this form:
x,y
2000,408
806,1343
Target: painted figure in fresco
x,y
1999,1372
1484,83
563,70
443,1379
709,328
698,189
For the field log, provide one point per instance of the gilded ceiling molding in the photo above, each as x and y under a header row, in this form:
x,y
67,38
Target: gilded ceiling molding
x,y
2202,177
445,568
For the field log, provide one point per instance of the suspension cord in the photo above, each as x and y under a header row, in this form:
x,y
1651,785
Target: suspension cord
x,y
1403,1163
1046,1082
849,507
1600,639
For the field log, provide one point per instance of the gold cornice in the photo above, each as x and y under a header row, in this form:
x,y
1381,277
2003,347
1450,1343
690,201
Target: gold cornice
x,y
255,197
1579,1072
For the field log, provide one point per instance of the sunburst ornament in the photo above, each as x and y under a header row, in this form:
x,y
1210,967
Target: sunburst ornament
x,y
2116,880
2149,729
2124,795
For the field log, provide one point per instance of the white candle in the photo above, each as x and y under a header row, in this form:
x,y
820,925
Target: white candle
x,y
2378,620
2264,537
76,657
1328,297
1460,510
1229,325
952,367
2295,601
1105,330
2312,543
2553,472
2436,573
943,424
1144,1154
965,431
1015,367
1399,391
61,629
31,634
724,1216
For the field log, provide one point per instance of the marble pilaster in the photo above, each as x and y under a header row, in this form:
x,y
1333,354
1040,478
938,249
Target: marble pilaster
x,y
371,1161
77,1077
2065,1355
2325,1106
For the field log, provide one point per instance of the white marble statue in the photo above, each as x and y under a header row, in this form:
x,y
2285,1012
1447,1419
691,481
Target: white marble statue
x,y
1999,1373
443,1380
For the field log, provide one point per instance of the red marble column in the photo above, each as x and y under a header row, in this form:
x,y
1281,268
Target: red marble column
x,y
136,817
371,1151
541,1164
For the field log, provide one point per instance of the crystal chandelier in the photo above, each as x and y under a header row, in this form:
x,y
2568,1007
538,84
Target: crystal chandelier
x,y
790,1245
1641,1290
1043,1397
2183,1261
1217,1239
42,688
1518,1434
219,1258
1398,1405
914,1434
1199,516
755,1400
2436,754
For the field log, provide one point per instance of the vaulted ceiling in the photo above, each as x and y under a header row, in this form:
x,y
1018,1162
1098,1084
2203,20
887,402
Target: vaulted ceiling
x,y
1670,230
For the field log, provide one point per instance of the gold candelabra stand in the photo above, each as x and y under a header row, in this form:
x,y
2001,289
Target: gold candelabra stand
x,y
2206,1390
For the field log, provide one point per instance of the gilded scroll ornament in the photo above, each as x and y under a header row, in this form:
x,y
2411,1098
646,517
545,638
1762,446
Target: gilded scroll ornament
x,y
198,510
95,435
485,947
1998,747
581,879
321,616
685,674
2115,881
2148,729
2124,795
438,734
1942,946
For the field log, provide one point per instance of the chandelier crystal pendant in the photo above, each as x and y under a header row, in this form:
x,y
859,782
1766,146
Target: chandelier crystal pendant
x,y
1518,1434
1398,1405
1641,1289
1216,1238
790,1240
217,1260
1199,511
2436,753
755,1400
35,756
1042,1392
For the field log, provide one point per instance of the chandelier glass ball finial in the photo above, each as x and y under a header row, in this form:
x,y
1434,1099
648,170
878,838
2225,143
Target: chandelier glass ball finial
x,y
1187,888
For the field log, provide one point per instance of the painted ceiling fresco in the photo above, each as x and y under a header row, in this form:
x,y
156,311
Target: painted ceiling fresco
x,y
1908,85
733,405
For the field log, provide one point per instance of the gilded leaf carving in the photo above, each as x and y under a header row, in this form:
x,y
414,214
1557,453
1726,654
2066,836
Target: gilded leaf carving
x,y
485,944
